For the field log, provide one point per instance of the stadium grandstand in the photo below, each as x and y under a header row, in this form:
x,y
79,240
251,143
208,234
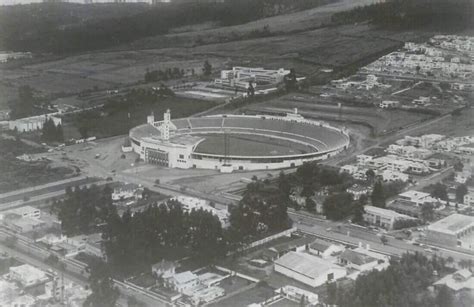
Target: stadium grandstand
x,y
236,142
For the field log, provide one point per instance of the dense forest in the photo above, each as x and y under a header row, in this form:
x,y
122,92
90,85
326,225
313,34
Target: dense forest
x,y
445,15
61,28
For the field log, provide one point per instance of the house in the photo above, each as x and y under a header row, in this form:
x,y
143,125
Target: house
x,y
469,198
389,104
164,269
358,190
297,245
26,211
51,239
416,197
22,224
126,191
295,294
462,177
363,260
392,176
462,280
182,282
363,159
405,207
382,217
310,270
456,230
27,275
324,249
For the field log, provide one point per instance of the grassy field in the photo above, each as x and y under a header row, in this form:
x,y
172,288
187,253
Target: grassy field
x,y
121,120
380,120
250,145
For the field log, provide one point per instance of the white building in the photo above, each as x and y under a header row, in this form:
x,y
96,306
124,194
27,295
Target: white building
x,y
469,198
193,203
32,123
181,282
363,260
25,211
462,280
392,176
308,269
324,249
27,275
382,217
416,197
241,76
164,269
456,230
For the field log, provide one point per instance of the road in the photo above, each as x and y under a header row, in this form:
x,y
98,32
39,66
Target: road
x,y
45,188
353,235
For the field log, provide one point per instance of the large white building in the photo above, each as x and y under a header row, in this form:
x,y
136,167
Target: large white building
x,y
382,217
456,230
240,77
178,143
27,275
32,123
308,269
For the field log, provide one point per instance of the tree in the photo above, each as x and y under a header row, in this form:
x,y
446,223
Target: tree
x,y
384,240
310,205
439,191
338,206
458,166
358,209
461,191
427,212
331,288
444,298
378,195
207,68
370,174
104,293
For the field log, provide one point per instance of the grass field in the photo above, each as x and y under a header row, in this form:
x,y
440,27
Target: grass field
x,y
250,145
117,122
381,120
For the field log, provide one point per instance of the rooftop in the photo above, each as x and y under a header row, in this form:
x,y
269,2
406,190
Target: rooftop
x,y
320,245
462,279
356,257
27,270
184,277
453,224
305,264
384,212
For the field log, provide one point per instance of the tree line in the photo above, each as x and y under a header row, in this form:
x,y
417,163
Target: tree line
x,y
403,283
52,132
26,31
410,14
166,231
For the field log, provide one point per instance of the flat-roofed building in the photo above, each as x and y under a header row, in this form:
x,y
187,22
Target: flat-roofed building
x,y
27,275
456,230
382,217
308,269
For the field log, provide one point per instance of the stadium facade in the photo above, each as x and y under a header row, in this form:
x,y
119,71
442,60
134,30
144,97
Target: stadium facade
x,y
176,143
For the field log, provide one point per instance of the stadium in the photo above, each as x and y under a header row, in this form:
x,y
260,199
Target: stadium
x,y
236,142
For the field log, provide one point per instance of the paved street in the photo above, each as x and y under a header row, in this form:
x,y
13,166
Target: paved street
x,y
353,235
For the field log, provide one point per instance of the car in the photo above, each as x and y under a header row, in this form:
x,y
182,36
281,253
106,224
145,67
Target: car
x,y
415,243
